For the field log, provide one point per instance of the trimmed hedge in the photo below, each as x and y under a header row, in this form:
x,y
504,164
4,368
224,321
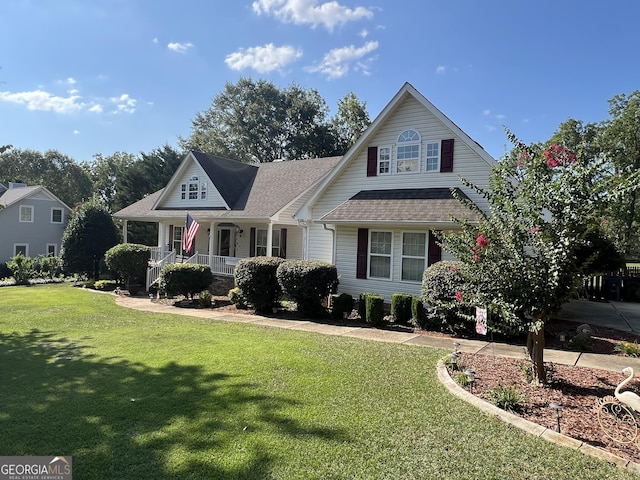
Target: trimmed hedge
x,y
256,278
401,307
308,283
374,307
129,261
418,313
185,279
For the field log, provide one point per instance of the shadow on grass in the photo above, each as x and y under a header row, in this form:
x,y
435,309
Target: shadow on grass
x,y
126,420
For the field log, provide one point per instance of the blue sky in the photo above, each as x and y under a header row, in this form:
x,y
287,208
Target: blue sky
x,y
100,76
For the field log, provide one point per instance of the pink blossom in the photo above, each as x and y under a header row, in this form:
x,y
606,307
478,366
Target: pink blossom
x,y
482,241
460,296
557,155
535,229
452,269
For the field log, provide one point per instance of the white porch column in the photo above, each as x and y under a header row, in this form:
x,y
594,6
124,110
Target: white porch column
x,y
162,238
270,240
124,231
212,232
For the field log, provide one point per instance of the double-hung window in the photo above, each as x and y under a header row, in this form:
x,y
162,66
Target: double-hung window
x,y
408,152
261,243
433,156
413,255
193,189
380,248
384,160
56,215
26,214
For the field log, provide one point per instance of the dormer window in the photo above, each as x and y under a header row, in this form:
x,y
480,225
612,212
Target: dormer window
x,y
408,152
193,189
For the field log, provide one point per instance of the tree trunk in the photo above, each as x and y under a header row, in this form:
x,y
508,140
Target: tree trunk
x,y
535,349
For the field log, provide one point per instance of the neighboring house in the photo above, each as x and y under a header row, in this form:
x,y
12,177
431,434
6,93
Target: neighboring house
x,y
372,212
32,221
243,210
374,215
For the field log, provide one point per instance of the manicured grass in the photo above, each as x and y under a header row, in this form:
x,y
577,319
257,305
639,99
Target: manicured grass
x,y
135,395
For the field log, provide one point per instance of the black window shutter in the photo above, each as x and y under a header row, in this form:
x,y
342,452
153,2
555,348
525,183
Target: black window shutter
x,y
435,251
170,237
372,161
363,246
252,242
446,156
283,243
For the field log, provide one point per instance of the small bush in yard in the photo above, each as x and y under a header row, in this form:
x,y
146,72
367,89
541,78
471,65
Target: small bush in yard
x,y
237,298
185,279
307,282
374,309
256,278
401,308
506,398
418,313
129,261
205,298
362,304
342,304
443,294
21,268
628,348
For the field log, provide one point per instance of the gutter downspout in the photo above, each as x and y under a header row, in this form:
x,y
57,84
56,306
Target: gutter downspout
x,y
333,242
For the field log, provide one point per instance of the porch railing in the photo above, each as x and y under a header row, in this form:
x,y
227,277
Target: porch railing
x,y
153,272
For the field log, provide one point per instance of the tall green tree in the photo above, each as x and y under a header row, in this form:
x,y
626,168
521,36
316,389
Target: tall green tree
x,y
349,122
526,257
620,143
57,172
88,235
257,122
107,172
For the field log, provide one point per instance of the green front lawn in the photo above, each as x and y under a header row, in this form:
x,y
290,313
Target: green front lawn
x,y
136,395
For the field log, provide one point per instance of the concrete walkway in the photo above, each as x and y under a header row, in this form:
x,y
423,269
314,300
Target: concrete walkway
x,y
606,314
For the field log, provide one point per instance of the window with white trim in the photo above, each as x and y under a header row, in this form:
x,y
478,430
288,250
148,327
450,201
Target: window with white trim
x,y
408,152
52,249
22,248
261,242
433,156
193,189
384,160
414,252
26,213
177,239
56,215
380,248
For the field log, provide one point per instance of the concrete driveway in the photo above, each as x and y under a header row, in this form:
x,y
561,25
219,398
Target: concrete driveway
x,y
623,316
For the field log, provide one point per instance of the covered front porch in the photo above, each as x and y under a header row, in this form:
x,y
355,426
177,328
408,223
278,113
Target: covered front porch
x,y
220,245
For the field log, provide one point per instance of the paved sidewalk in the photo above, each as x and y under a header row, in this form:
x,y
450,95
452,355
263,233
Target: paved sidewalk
x,y
591,360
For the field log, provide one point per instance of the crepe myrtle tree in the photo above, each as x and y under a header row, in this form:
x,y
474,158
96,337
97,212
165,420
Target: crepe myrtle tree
x,y
525,257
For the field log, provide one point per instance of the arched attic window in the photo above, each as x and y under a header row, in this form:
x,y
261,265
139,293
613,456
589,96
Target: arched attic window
x,y
408,152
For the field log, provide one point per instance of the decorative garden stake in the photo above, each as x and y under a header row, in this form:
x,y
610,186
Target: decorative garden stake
x,y
618,417
471,377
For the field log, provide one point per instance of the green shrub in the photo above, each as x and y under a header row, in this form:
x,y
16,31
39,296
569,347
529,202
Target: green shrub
x,y
205,298
418,313
342,304
628,348
129,261
374,309
21,269
184,278
105,285
256,277
362,305
48,266
307,282
506,398
237,298
5,271
441,283
401,308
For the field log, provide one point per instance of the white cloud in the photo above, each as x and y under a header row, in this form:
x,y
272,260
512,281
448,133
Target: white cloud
x,y
500,116
337,62
179,47
486,112
76,132
155,40
263,59
124,104
44,101
300,12
364,33
71,81
96,108
441,69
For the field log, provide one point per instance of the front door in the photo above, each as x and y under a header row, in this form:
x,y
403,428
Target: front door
x,y
225,247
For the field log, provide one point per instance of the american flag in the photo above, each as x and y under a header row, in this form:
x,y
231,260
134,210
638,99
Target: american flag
x,y
190,231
